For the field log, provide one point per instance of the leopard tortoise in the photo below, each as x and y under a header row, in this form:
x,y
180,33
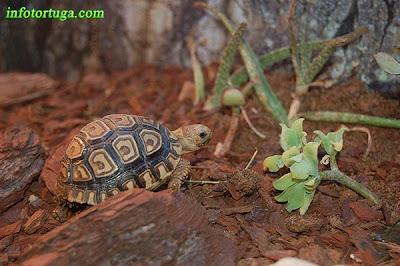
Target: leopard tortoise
x,y
121,152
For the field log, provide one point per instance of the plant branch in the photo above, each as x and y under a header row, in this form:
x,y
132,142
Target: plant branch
x,y
262,88
342,117
225,68
336,175
223,148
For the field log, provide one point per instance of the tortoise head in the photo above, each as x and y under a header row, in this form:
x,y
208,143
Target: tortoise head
x,y
193,137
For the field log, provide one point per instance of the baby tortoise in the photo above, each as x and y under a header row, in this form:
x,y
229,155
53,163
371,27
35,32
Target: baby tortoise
x,y
121,152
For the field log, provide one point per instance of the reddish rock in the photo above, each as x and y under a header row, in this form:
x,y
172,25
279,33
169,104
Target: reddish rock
x,y
21,160
278,254
323,205
299,223
366,249
364,212
277,218
4,259
16,88
52,166
5,242
254,262
10,229
315,254
35,221
347,214
227,221
136,227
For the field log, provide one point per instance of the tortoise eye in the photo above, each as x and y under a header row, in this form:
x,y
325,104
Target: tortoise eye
x,y
203,135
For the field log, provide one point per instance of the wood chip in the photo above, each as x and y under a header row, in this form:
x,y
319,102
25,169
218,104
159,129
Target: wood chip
x,y
10,229
35,221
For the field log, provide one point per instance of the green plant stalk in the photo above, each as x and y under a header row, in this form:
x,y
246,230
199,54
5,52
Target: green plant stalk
x,y
327,51
336,175
342,117
262,88
295,48
225,68
241,76
197,75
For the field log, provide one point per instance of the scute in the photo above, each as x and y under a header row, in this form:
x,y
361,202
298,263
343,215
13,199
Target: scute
x,y
152,141
95,130
122,122
116,153
75,148
102,163
126,148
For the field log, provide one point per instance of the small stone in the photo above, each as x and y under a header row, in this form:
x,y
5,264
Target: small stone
x,y
298,223
32,198
35,221
34,201
364,212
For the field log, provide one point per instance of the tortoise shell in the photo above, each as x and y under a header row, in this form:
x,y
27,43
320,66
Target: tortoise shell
x,y
116,153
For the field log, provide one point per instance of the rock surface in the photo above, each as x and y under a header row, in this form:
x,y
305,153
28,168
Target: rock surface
x,y
157,32
136,226
16,88
21,160
51,167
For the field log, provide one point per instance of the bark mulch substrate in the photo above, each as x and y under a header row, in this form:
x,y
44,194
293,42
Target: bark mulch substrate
x,y
339,227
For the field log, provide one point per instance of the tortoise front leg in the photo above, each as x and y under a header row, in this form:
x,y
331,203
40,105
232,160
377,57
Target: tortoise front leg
x,y
179,175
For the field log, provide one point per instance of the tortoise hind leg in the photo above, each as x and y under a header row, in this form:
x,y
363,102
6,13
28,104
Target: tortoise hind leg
x,y
60,213
179,175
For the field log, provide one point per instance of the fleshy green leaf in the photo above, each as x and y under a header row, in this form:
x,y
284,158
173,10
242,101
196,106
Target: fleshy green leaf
x,y
312,183
311,156
273,163
284,196
308,197
324,141
301,170
297,125
289,156
297,198
332,142
387,63
284,182
337,142
337,146
289,138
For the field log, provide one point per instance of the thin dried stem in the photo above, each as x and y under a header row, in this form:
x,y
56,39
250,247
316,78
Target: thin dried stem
x,y
246,118
223,148
252,159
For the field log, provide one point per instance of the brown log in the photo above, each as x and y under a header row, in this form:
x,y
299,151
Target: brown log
x,y
135,227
